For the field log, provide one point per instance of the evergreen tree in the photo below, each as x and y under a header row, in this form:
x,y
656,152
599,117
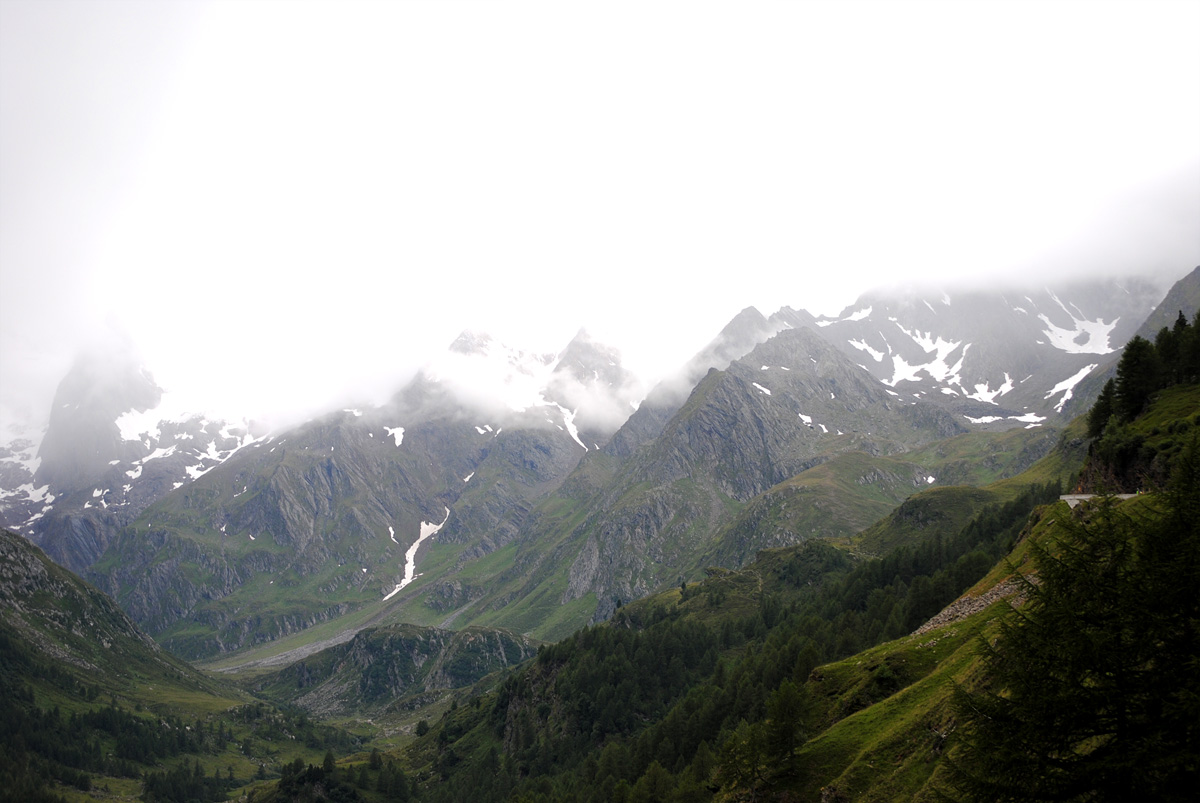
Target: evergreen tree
x,y
1167,347
785,710
1137,378
1189,351
1102,410
744,757
1093,686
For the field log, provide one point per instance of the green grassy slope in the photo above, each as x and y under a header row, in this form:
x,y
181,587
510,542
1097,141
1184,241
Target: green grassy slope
x,y
784,615
616,687
91,704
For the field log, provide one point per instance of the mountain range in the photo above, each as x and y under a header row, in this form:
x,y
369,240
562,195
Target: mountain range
x,y
538,492
516,541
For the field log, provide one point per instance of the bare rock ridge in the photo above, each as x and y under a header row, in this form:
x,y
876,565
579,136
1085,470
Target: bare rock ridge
x,y
216,537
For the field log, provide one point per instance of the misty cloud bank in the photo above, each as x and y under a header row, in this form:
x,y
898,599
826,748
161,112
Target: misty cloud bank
x,y
278,235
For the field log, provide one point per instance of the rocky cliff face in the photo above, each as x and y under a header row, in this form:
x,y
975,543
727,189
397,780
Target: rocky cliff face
x,y
109,451
315,522
748,329
776,410
788,405
62,616
306,526
83,437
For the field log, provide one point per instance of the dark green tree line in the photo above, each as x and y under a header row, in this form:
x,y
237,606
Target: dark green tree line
x,y
654,705
1145,368
1092,688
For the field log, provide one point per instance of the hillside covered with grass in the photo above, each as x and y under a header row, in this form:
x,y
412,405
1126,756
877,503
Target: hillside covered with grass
x,y
809,674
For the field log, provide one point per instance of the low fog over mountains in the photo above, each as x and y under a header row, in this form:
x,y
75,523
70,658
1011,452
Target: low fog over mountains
x,y
583,485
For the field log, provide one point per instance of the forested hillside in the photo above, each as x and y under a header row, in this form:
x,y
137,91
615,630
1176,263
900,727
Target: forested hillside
x,y
710,688
90,706
724,690
1134,450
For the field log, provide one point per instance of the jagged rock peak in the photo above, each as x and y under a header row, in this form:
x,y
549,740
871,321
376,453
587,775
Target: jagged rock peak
x,y
588,360
83,437
746,325
472,343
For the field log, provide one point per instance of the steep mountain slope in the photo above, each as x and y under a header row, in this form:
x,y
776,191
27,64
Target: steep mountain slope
x,y
746,330
326,519
65,645
92,708
773,719
65,621
314,525
542,520
1007,356
20,501
112,447
1184,296
856,492
617,530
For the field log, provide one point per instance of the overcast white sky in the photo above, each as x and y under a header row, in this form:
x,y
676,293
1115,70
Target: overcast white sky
x,y
278,202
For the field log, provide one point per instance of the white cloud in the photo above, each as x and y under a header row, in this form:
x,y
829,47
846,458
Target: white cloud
x,y
336,190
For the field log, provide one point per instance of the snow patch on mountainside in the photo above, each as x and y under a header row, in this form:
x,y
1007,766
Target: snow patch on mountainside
x,y
854,316
158,453
1085,337
139,425
22,448
569,421
1067,386
862,346
428,530
34,494
984,393
938,368
1032,419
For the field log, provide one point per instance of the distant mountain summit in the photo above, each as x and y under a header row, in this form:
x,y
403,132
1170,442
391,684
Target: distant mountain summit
x,y
83,436
1005,356
113,445
536,491
584,388
328,517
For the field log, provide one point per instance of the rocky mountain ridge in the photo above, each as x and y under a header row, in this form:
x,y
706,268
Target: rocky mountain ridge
x,y
552,499
993,356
